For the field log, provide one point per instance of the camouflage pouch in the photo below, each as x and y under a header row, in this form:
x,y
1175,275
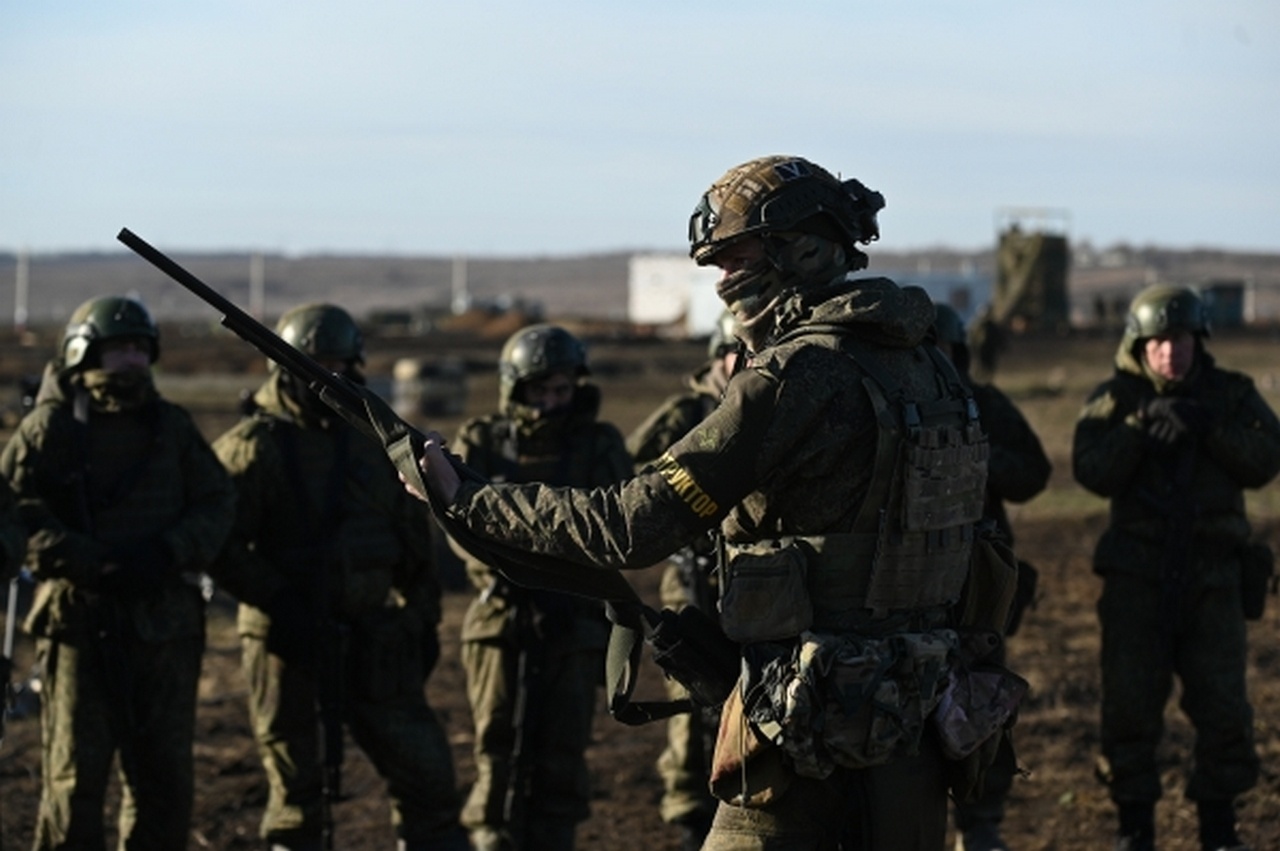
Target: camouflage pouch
x,y
853,701
976,704
765,597
1257,579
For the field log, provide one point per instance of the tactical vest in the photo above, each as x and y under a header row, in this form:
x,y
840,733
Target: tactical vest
x,y
909,549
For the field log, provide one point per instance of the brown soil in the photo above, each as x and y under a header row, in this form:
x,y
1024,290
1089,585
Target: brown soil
x,y
1057,805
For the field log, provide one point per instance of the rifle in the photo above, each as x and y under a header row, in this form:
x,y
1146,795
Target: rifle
x,y
6,661
404,444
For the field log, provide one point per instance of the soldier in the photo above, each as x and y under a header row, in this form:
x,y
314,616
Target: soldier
x,y
535,659
125,503
339,603
1018,469
1173,440
842,560
689,580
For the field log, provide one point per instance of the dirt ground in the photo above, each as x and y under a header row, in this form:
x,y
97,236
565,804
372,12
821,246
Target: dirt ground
x,y
1057,805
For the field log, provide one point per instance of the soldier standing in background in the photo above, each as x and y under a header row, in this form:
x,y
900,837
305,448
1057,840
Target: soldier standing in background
x,y
1172,440
534,659
1017,470
844,556
689,580
339,603
13,546
125,503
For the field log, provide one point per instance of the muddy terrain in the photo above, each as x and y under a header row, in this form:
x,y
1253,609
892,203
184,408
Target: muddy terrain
x,y
1057,805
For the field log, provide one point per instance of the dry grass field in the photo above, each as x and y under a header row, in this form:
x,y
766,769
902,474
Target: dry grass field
x,y
1058,805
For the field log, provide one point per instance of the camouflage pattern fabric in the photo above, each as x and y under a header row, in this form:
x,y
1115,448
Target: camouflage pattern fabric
x,y
1018,469
789,451
372,564
1155,626
118,661
539,649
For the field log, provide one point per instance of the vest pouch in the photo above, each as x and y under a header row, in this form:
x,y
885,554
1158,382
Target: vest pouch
x,y
1257,579
986,600
765,597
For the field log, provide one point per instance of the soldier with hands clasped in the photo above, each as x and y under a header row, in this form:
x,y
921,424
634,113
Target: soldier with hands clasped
x,y
125,504
1173,440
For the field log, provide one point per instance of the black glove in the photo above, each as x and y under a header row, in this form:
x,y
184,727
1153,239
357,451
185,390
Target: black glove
x,y
1170,418
292,635
135,567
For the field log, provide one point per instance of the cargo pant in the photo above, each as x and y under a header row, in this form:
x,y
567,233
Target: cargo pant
x,y
387,715
533,709
899,806
1143,647
134,697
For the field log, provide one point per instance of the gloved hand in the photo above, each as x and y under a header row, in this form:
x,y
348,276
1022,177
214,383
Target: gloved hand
x,y
1171,418
135,567
292,635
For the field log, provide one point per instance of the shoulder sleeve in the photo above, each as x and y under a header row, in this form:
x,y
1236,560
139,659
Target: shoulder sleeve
x,y
1245,437
257,473
644,519
209,496
1108,444
1018,468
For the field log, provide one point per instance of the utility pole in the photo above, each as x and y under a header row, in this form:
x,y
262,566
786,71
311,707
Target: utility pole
x,y
461,298
22,284
257,285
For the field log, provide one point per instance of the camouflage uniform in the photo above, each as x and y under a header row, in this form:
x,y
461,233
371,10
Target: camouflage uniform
x,y
689,580
321,519
785,466
13,545
1171,559
534,659
789,451
1017,470
104,478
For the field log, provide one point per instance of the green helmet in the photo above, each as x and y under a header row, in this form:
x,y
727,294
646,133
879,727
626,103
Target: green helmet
x,y
949,325
324,331
782,193
536,351
106,318
723,340
1161,309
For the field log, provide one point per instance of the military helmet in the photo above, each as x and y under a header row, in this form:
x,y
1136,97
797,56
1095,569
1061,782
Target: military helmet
x,y
949,325
781,193
1163,308
106,318
536,351
723,340
324,331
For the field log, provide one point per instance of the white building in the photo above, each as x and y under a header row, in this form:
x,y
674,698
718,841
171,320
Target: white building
x,y
672,291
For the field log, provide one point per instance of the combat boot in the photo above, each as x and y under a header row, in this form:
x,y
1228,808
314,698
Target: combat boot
x,y
1137,827
981,835
1218,826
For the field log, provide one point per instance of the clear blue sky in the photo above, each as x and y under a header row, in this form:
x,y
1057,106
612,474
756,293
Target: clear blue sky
x,y
562,127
